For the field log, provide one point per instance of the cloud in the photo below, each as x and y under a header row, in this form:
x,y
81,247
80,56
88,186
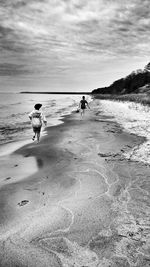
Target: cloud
x,y
7,69
51,36
67,23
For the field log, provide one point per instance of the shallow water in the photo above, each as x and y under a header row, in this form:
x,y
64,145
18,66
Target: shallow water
x,y
14,122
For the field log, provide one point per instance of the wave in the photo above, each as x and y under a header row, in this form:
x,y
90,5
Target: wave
x,y
14,121
17,103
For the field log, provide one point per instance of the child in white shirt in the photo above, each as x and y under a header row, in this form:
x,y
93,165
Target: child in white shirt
x,y
37,117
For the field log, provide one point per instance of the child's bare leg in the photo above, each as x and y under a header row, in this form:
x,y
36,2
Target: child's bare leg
x,y
82,113
34,135
38,137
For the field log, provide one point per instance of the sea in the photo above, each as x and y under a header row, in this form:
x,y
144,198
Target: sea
x,y
15,108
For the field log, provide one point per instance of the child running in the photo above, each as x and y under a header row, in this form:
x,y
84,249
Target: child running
x,y
37,117
82,105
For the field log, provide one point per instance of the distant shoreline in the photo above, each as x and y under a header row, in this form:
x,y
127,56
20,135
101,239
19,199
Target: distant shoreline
x,y
57,93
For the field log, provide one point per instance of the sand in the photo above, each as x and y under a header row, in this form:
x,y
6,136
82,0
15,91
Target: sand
x,y
74,199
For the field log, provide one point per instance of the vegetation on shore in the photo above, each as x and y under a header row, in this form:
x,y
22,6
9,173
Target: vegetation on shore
x,y
136,83
143,99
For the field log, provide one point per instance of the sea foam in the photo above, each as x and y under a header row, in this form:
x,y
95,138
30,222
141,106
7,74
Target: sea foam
x,y
135,119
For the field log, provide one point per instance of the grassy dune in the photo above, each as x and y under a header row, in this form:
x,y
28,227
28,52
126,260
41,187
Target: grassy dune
x,y
138,98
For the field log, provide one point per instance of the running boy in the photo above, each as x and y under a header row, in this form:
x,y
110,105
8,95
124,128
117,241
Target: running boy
x,y
82,105
37,117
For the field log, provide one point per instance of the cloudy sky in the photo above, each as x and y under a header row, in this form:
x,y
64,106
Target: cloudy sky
x,y
71,45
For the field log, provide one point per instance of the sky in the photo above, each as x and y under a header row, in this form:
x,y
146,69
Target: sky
x,y
71,45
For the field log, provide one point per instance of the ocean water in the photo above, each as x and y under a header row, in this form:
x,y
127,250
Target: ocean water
x,y
15,124
135,119
14,109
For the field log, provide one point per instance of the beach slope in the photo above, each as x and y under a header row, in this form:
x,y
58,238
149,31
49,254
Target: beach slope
x,y
82,203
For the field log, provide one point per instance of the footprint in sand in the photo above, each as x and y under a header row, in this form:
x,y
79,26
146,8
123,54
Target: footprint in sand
x,y
8,178
30,189
27,155
23,202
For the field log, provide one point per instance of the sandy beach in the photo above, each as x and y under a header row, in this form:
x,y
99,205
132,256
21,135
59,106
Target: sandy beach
x,y
74,199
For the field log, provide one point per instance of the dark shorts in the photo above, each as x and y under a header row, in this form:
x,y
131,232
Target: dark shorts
x,y
36,129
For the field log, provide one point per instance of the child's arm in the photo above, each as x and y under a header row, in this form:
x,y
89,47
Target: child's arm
x,y
30,116
79,104
44,119
87,104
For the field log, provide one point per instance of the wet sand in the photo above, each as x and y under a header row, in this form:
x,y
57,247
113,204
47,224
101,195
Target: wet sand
x,y
77,201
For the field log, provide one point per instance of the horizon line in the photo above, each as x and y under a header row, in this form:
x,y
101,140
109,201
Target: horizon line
x,y
61,93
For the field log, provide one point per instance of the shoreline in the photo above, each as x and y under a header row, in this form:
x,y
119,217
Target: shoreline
x,y
83,197
15,124
10,147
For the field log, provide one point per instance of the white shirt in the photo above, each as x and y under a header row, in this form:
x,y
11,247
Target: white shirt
x,y
36,117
